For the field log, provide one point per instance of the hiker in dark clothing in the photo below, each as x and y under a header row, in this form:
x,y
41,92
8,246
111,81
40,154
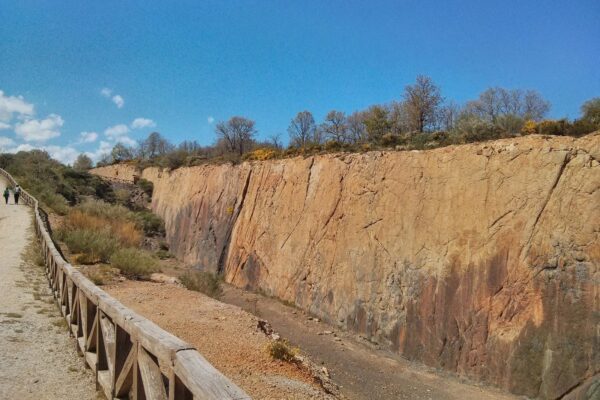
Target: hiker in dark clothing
x,y
17,194
6,195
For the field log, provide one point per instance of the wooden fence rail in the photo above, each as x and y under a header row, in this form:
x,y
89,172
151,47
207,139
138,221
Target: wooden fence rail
x,y
131,356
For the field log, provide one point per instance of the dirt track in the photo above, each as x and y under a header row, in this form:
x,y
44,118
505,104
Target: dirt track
x,y
37,358
363,371
228,338
225,335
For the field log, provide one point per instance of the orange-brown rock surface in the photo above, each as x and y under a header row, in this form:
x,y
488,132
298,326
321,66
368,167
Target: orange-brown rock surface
x,y
481,259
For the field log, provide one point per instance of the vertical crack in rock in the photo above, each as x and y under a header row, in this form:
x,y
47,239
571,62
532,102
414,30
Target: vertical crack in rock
x,y
227,242
559,174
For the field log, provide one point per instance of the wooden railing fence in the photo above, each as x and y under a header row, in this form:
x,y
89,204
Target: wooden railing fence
x,y
131,356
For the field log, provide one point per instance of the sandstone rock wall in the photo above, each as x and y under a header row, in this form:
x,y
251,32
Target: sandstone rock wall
x,y
480,259
122,172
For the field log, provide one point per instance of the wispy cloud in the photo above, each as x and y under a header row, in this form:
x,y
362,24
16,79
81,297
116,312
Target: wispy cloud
x,y
106,92
118,134
35,130
4,125
5,141
140,123
11,105
88,137
210,120
117,98
116,131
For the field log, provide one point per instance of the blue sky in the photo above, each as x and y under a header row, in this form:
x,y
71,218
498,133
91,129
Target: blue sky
x,y
178,65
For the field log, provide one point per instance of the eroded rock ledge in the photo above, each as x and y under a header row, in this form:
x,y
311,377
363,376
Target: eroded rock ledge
x,y
481,259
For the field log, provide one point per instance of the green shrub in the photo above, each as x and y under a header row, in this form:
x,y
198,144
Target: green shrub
x,y
419,140
134,263
122,196
389,139
163,254
101,209
333,145
54,201
94,246
146,186
151,223
581,127
281,350
203,282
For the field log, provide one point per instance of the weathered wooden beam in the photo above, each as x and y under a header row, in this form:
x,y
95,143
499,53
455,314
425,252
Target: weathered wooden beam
x,y
152,378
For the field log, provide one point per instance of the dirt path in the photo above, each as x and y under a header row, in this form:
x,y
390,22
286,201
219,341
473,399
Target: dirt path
x,y
37,358
228,337
362,370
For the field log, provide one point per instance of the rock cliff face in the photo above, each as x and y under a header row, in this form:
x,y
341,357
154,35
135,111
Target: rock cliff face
x,y
481,259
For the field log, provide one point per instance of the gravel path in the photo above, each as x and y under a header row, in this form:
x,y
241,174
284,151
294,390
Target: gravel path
x,y
38,360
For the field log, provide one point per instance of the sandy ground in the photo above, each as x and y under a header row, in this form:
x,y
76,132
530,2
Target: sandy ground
x,y
360,368
225,335
38,360
228,337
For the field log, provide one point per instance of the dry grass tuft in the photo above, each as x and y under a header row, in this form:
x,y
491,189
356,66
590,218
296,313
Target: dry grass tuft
x,y
282,350
203,282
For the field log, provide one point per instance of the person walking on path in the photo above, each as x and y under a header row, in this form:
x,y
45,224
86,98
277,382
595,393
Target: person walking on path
x,y
17,194
6,194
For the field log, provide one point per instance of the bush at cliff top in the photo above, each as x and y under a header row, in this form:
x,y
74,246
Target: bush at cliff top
x,y
134,263
262,154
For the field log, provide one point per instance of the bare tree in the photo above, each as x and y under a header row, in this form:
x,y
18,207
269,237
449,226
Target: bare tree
x,y
398,117
488,106
120,152
448,115
422,101
357,132
496,102
335,126
275,141
237,133
534,106
302,130
82,163
154,146
190,146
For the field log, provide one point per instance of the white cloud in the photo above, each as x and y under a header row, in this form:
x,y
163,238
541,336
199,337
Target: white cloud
x,y
210,120
34,130
88,137
5,142
118,100
64,154
115,132
118,133
106,92
139,123
10,105
4,125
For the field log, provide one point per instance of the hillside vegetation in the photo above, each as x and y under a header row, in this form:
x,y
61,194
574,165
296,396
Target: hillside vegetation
x,y
421,119
96,225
